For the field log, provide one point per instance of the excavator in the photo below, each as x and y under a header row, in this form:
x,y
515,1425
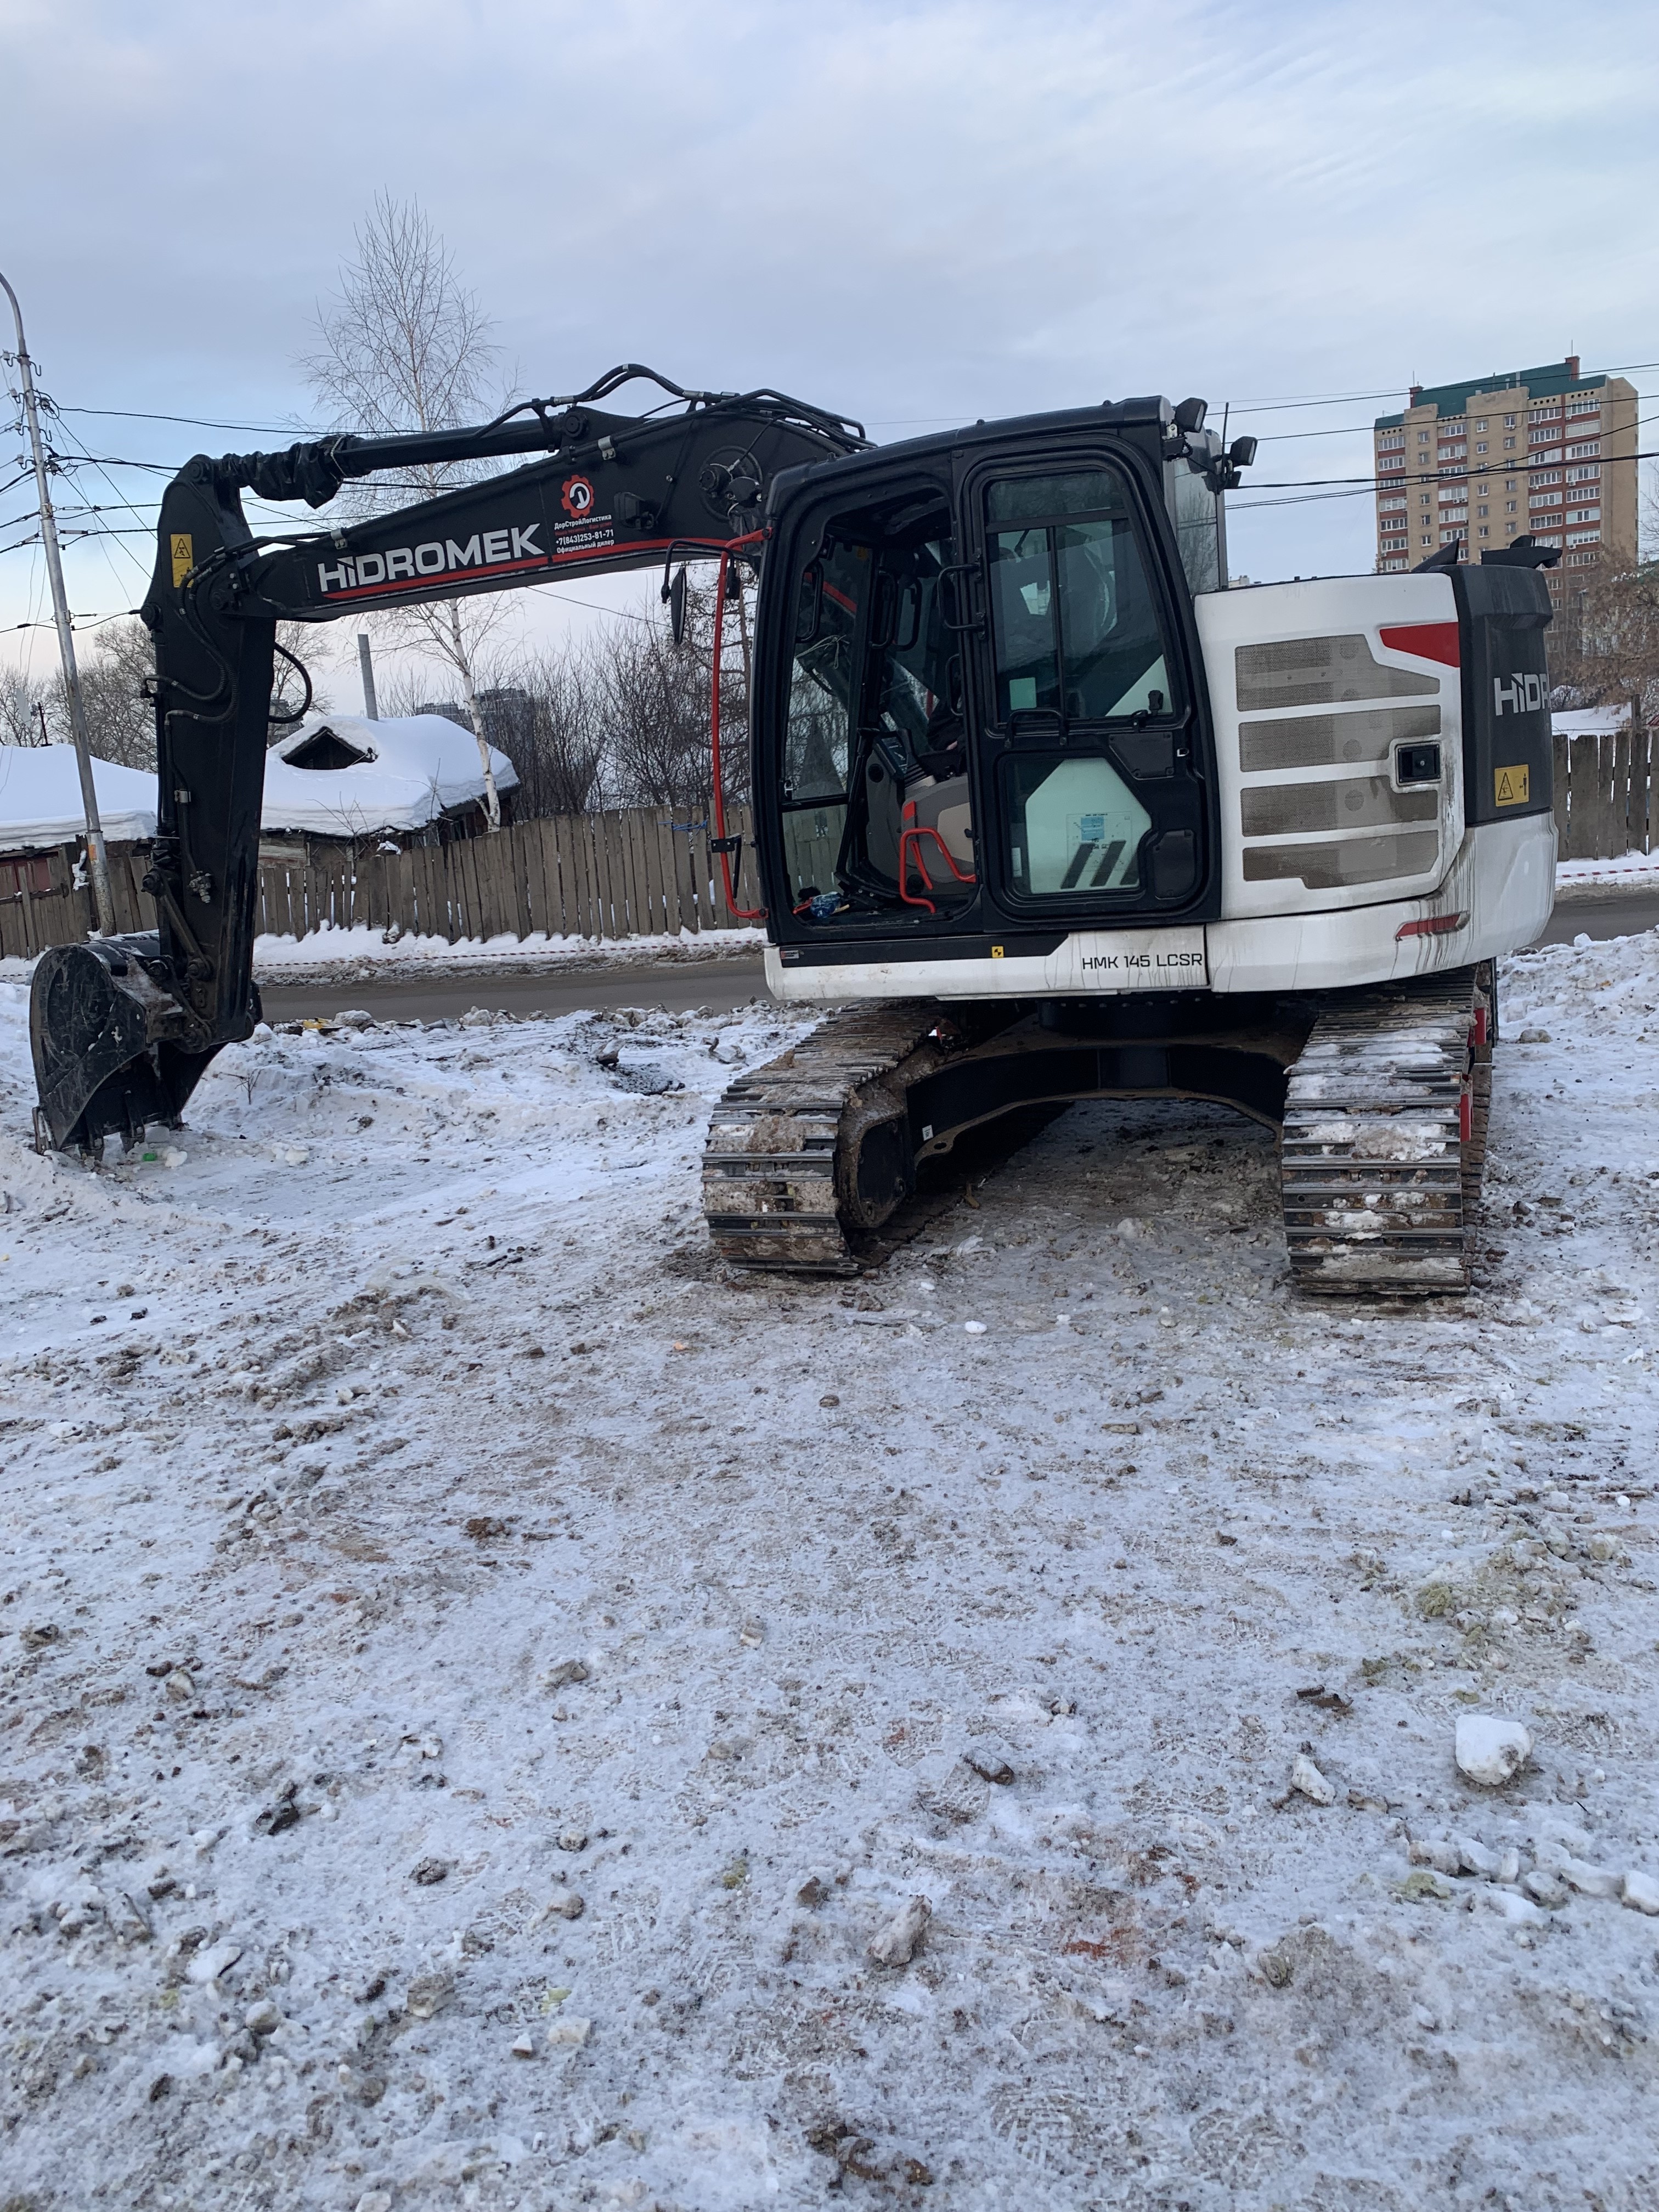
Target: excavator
x,y
1046,808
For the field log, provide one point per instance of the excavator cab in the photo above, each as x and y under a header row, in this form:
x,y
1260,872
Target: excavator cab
x,y
979,710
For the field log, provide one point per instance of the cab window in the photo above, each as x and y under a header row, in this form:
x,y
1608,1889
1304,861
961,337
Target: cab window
x,y
1076,628
876,809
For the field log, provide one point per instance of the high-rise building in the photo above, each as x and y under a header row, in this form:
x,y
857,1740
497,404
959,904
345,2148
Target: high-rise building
x,y
1544,451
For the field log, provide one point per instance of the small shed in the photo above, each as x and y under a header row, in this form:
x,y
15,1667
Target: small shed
x,y
43,823
342,779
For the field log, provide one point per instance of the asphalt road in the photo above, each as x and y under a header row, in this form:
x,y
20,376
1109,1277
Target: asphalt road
x,y
674,985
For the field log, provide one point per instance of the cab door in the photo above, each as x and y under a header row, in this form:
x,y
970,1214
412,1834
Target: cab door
x,y
1090,718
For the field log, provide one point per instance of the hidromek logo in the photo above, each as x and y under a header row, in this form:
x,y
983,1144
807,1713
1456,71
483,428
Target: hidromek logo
x,y
365,574
1525,695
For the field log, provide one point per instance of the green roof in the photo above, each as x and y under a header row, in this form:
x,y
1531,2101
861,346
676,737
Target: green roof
x,y
1544,383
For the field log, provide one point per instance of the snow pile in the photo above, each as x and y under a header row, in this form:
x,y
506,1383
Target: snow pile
x,y
503,1711
408,770
40,802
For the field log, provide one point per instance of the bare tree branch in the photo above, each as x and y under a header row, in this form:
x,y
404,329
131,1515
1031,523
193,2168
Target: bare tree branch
x,y
405,346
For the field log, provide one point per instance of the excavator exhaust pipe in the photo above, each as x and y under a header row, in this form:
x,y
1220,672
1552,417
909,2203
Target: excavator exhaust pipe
x,y
110,1043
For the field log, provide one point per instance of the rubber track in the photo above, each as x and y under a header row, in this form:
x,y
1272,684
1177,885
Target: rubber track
x,y
1384,1139
776,1162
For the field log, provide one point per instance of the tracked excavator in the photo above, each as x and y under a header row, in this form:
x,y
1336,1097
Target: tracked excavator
x,y
1045,808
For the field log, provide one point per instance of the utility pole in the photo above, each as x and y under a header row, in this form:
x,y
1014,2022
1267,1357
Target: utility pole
x,y
366,662
97,859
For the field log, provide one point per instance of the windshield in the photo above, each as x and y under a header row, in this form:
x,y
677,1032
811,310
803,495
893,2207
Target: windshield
x,y
1077,632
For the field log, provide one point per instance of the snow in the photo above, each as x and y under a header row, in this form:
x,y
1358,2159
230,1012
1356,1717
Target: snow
x,y
40,802
1591,721
328,951
394,1481
416,766
1639,870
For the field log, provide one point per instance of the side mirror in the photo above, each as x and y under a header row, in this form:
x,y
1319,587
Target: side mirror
x,y
676,607
1241,455
1189,416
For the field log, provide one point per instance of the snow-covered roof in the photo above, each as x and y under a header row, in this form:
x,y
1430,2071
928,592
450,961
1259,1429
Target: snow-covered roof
x,y
40,798
406,771
1591,721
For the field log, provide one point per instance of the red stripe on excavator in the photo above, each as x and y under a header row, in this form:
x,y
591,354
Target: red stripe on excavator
x,y
1426,640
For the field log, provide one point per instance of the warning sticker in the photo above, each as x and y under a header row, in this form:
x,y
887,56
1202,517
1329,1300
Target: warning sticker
x,y
1512,785
184,556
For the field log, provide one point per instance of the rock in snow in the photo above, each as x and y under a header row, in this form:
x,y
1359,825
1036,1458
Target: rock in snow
x,y
895,1944
1641,1893
1491,1752
1306,1778
1590,1880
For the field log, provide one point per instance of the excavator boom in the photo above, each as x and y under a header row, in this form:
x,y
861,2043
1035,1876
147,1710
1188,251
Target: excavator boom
x,y
122,1029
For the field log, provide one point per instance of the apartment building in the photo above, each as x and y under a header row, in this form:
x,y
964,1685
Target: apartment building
x,y
1547,451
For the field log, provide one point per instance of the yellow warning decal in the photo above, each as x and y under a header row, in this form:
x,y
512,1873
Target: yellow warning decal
x,y
996,952
1512,785
184,557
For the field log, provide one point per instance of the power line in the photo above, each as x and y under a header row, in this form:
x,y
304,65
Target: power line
x,y
195,421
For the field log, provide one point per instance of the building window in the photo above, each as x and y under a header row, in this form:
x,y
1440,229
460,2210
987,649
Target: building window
x,y
1585,514
1486,533
1509,443
1479,446
1585,451
1509,484
1422,437
1545,476
1509,421
1582,560
1509,507
1483,511
1480,426
1426,540
1583,537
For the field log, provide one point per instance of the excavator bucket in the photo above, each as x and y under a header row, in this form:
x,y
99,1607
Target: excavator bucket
x,y
104,1039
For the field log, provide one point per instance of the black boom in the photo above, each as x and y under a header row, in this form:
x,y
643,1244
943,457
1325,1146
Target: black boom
x,y
123,1028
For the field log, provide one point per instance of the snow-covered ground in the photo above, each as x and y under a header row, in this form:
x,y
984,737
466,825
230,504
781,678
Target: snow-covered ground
x,y
450,1618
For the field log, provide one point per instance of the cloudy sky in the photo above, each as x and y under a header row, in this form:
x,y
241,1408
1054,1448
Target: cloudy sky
x,y
915,214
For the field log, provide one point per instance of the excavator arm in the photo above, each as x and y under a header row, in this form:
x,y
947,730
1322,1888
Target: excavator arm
x,y
122,1029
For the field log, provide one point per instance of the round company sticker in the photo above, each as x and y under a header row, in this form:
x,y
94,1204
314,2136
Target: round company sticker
x,y
577,496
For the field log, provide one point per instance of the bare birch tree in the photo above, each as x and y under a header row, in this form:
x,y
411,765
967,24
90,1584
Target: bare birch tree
x,y
405,346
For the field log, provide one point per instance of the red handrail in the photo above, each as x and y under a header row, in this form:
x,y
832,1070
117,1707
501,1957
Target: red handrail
x,y
738,913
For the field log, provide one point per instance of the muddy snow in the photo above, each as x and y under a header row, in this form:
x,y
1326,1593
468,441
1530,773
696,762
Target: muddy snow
x,y
500,1711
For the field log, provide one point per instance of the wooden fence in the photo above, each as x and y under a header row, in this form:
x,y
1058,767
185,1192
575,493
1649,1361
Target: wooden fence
x,y
629,872
636,872
1606,795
